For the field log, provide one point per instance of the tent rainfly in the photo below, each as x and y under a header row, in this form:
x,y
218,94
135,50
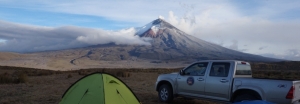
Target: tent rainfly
x,y
99,88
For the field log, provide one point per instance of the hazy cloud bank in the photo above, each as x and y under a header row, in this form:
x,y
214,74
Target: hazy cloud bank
x,y
27,38
247,34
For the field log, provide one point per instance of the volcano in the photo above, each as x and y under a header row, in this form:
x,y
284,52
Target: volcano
x,y
170,47
170,43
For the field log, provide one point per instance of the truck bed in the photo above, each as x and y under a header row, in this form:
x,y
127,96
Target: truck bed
x,y
273,90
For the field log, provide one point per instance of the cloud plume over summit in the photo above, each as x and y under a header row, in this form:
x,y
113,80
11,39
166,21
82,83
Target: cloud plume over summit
x,y
124,36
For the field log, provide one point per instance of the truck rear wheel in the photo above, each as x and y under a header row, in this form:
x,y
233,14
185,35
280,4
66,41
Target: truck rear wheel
x,y
245,97
165,93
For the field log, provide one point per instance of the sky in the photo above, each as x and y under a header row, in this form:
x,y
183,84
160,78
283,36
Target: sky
x,y
269,28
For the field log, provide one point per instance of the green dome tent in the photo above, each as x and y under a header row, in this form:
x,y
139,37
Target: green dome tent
x,y
99,88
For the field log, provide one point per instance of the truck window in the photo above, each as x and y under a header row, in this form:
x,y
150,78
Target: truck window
x,y
219,69
242,69
197,69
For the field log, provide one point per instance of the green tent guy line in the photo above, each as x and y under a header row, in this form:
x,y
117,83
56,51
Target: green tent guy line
x,y
99,88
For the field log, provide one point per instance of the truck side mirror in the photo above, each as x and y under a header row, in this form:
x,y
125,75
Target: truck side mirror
x,y
181,72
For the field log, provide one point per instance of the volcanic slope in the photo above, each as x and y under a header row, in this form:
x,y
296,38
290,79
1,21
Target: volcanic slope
x,y
170,43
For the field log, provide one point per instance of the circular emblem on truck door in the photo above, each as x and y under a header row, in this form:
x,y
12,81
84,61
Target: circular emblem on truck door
x,y
190,80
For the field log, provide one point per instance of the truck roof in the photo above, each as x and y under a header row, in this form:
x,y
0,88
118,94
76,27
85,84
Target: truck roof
x,y
237,61
221,61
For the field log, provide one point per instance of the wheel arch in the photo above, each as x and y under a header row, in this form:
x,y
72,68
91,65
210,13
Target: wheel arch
x,y
162,83
246,91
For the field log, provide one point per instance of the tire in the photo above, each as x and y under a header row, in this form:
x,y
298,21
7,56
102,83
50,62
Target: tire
x,y
165,93
244,97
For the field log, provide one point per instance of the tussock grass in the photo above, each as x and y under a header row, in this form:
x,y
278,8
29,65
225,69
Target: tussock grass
x,y
69,76
22,78
82,72
7,78
47,87
277,74
123,74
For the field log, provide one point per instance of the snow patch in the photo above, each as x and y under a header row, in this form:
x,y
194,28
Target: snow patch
x,y
155,28
151,25
143,29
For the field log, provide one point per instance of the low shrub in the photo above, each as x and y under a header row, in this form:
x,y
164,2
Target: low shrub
x,y
69,76
22,78
82,72
123,74
7,78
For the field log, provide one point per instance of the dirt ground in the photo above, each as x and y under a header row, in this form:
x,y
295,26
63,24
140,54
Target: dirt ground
x,y
47,87
43,88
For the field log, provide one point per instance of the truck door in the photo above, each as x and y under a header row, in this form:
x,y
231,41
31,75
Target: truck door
x,y
218,81
191,81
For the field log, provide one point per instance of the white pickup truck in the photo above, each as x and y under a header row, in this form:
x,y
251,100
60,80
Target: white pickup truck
x,y
225,80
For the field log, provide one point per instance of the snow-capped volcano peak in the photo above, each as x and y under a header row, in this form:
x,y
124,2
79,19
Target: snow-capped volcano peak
x,y
154,26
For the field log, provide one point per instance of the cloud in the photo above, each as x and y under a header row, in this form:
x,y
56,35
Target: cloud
x,y
234,45
27,38
263,47
257,24
183,24
133,12
124,36
224,23
2,44
294,52
291,54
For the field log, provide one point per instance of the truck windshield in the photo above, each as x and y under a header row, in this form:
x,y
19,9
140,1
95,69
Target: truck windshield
x,y
242,69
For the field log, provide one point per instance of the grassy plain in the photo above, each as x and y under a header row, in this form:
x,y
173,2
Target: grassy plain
x,y
35,86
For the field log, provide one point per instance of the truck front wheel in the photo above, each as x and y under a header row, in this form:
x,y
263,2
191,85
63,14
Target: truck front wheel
x,y
245,97
165,93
